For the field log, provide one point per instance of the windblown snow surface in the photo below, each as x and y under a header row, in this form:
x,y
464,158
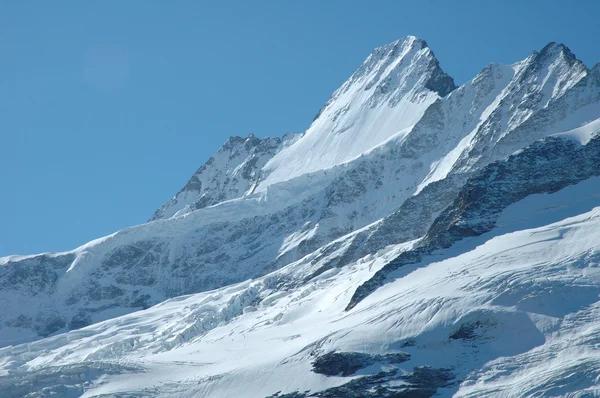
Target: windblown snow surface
x,y
419,239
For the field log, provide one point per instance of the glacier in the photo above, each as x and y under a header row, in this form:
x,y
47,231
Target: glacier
x,y
417,239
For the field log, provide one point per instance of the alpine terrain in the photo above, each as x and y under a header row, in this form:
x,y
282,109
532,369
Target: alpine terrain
x,y
418,239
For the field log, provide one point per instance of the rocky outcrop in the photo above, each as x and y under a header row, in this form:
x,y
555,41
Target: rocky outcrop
x,y
347,363
545,167
422,382
230,173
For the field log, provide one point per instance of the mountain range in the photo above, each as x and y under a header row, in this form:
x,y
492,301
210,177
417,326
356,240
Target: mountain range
x,y
418,239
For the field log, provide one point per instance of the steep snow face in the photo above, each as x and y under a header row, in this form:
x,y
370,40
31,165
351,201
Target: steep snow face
x,y
230,173
382,100
510,314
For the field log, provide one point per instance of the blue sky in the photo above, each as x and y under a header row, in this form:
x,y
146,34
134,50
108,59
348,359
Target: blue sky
x,y
107,108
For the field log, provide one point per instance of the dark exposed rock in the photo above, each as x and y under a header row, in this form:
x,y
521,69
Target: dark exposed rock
x,y
466,331
440,82
426,378
408,343
422,382
48,324
80,320
36,274
21,321
347,363
290,395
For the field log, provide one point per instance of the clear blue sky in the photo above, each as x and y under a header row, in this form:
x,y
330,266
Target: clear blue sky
x,y
108,107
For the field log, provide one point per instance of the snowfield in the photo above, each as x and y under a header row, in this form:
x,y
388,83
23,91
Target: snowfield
x,y
419,239
510,314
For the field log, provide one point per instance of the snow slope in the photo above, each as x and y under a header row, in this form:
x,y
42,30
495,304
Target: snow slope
x,y
512,314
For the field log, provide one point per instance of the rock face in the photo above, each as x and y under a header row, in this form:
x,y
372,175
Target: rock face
x,y
544,167
399,169
423,382
347,363
232,172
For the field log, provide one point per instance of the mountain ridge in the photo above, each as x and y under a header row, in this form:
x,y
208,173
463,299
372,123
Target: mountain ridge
x,y
376,182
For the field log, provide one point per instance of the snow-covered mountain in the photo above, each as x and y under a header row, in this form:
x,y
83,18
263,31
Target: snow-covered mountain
x,y
418,238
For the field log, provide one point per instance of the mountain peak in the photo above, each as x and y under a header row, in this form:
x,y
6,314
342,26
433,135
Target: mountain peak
x,y
390,49
438,82
554,48
556,51
382,99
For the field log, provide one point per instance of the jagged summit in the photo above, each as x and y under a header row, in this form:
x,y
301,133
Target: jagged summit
x,y
554,48
386,59
379,60
390,49
439,82
554,53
